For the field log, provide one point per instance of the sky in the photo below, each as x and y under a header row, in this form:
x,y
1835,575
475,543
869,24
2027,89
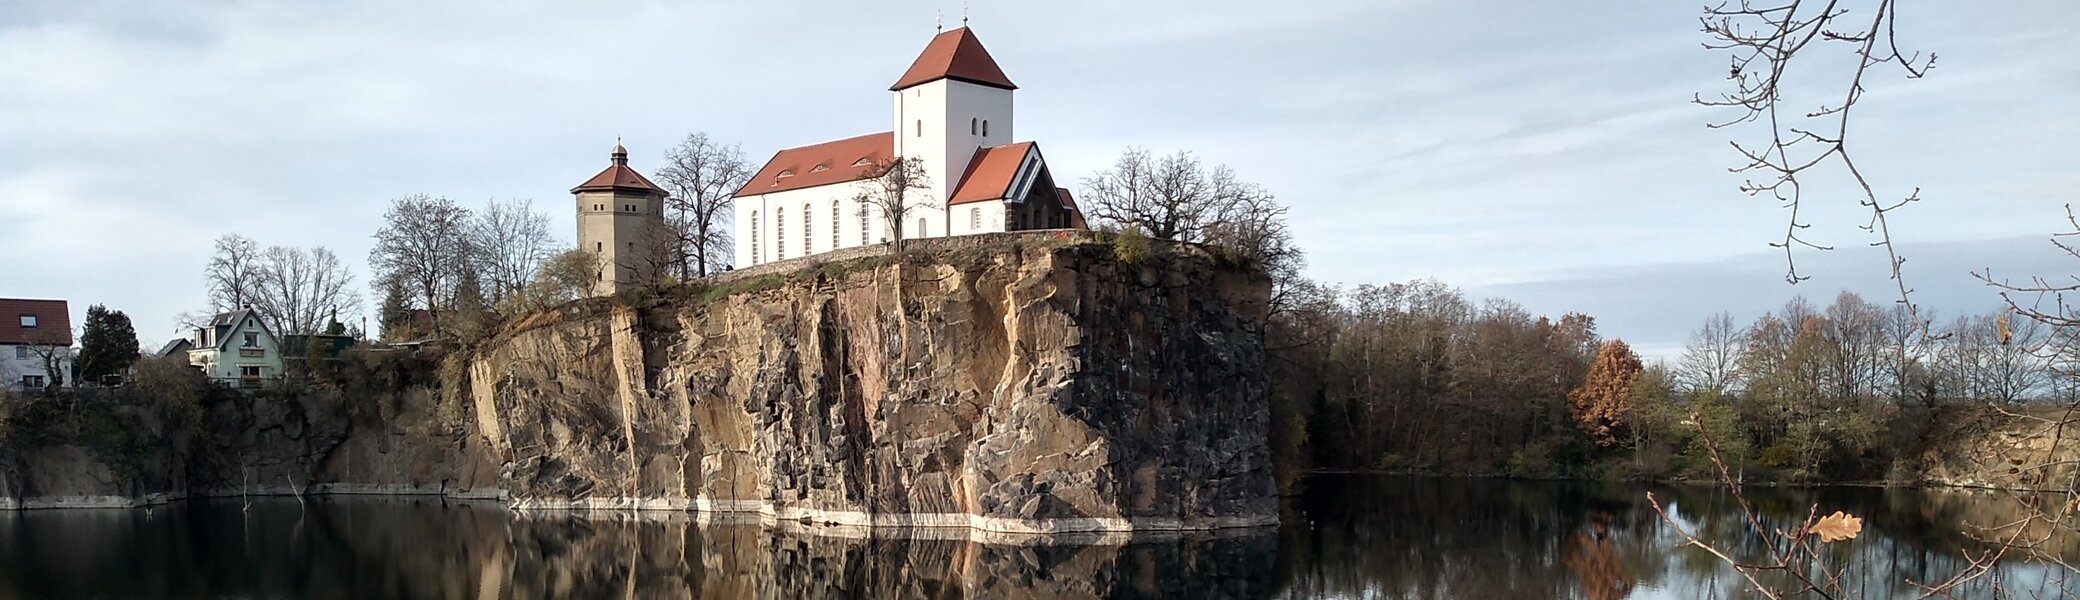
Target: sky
x,y
1541,152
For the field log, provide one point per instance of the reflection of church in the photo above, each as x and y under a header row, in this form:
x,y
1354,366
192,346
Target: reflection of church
x,y
953,112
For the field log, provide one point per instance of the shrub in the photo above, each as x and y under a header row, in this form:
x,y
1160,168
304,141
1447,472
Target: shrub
x,y
175,387
1132,246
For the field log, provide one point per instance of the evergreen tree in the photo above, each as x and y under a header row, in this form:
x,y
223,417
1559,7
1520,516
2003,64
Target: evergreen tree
x,y
107,347
472,313
396,314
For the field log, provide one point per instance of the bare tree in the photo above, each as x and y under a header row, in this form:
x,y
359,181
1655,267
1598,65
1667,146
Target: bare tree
x,y
891,187
301,292
567,276
1174,197
424,243
50,349
509,243
231,273
1906,341
1765,41
703,177
1711,359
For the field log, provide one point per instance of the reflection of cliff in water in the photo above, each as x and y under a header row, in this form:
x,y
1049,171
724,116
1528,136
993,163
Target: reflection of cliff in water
x,y
357,548
1347,537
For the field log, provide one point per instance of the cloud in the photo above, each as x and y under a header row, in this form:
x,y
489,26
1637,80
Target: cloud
x,y
1530,148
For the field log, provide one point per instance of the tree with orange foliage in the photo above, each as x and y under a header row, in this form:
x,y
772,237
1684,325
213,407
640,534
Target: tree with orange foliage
x,y
1603,403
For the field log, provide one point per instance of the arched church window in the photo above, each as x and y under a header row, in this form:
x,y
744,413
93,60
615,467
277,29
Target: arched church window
x,y
754,237
920,128
985,129
834,224
975,218
920,227
862,225
971,126
779,234
808,233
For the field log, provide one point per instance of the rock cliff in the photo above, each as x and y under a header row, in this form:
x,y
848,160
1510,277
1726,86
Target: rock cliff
x,y
378,431
1025,384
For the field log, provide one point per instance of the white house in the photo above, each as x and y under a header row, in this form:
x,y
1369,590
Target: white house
x,y
953,112
237,348
33,334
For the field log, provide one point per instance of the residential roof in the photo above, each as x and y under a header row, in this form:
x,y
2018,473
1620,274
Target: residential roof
x,y
836,161
53,322
619,176
180,345
222,324
991,173
955,55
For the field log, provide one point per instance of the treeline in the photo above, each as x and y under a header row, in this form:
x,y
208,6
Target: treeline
x,y
1417,377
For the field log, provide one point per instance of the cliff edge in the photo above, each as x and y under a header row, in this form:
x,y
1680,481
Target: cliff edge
x,y
1027,383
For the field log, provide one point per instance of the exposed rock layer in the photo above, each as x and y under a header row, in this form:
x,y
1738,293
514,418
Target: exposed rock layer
x,y
1038,387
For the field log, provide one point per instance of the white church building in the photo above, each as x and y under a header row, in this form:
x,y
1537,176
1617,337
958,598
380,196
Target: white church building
x,y
953,112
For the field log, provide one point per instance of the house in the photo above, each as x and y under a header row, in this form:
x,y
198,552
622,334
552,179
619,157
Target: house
x,y
953,112
35,338
237,348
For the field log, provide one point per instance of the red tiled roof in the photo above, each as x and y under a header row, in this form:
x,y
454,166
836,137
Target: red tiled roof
x,y
619,176
990,174
849,159
954,55
1075,214
53,322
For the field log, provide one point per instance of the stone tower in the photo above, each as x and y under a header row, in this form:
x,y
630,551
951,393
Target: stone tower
x,y
621,219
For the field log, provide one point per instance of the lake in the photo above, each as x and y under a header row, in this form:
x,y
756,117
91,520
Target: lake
x,y
1345,536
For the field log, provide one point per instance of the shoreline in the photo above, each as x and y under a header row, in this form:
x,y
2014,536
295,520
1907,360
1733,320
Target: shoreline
x,y
1906,485
851,524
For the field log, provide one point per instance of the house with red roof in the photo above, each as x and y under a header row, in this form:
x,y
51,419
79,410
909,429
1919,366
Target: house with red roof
x,y
952,112
35,340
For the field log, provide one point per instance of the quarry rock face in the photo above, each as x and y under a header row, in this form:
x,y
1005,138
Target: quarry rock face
x,y
1027,388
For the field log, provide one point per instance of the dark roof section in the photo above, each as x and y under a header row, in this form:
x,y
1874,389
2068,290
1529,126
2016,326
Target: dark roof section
x,y
619,176
1075,215
849,159
179,347
955,55
991,173
53,322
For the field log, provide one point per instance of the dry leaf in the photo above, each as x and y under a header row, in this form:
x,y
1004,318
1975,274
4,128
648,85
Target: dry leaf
x,y
1838,526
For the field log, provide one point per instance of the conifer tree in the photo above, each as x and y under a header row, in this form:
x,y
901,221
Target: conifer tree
x,y
108,345
395,316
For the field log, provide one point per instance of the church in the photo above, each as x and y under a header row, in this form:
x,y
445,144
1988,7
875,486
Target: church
x,y
952,112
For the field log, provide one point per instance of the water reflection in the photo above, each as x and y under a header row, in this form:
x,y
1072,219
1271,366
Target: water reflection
x,y
1346,537
1388,537
364,548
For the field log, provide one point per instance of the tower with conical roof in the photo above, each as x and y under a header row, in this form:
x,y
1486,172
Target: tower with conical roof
x,y
953,100
621,220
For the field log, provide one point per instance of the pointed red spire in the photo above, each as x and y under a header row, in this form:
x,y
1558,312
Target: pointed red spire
x,y
955,55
